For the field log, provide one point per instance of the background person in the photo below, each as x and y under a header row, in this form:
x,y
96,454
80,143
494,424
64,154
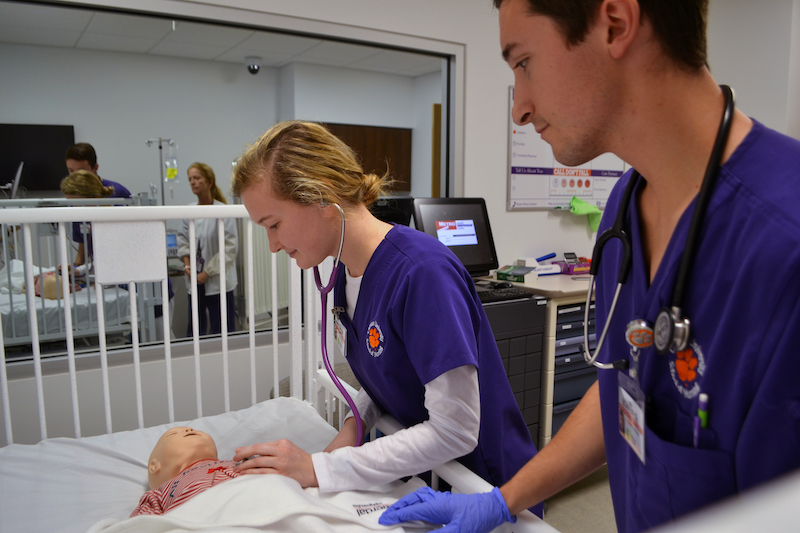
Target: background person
x,y
631,78
82,184
204,186
418,339
82,156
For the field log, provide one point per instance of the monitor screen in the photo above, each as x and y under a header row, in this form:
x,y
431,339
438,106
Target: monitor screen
x,y
42,148
461,224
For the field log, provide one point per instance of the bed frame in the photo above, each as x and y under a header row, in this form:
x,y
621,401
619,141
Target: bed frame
x,y
112,390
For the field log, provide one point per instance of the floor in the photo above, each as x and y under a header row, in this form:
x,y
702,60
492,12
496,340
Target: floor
x,y
583,508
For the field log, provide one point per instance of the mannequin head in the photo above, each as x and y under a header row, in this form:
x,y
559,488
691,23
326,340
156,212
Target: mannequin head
x,y
177,449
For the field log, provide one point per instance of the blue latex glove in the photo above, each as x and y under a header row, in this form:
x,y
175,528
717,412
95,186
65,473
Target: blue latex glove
x,y
465,513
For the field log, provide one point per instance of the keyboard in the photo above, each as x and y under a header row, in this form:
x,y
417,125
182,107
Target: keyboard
x,y
502,295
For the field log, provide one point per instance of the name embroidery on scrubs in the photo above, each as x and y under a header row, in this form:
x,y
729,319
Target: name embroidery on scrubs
x,y
374,339
686,367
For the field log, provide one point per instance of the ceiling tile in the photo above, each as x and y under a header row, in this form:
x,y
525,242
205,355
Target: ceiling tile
x,y
51,37
44,17
208,52
115,43
192,32
130,26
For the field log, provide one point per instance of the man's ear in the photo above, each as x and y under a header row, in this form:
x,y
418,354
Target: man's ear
x,y
622,21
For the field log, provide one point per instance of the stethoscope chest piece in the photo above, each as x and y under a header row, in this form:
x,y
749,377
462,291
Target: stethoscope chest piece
x,y
672,331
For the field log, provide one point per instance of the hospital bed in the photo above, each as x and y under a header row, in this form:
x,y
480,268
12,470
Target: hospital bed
x,y
15,301
78,429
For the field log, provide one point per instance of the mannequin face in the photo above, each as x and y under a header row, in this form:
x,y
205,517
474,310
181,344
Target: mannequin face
x,y
176,450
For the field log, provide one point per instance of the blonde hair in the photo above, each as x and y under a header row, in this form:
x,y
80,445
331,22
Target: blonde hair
x,y
208,174
86,185
308,165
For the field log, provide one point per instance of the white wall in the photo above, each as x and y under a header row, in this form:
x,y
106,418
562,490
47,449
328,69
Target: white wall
x,y
793,110
749,44
205,106
213,110
337,95
749,48
427,91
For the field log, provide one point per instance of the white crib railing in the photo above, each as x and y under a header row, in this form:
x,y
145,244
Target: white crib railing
x,y
224,354
295,353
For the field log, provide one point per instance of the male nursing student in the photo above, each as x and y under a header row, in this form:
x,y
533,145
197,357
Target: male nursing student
x,y
82,156
631,78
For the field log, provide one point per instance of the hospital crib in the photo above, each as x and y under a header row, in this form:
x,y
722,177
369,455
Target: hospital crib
x,y
78,425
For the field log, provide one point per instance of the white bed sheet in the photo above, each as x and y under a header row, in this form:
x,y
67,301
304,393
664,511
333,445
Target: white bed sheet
x,y
68,485
274,504
51,317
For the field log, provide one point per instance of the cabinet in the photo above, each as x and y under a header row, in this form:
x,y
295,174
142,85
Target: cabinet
x,y
565,375
518,327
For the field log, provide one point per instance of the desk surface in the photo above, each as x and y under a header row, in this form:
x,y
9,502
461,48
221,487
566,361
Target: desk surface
x,y
555,286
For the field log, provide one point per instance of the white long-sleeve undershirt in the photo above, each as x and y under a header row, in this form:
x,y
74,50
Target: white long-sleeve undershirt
x,y
453,404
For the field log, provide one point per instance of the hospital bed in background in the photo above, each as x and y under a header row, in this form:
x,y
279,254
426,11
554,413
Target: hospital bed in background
x,y
78,428
41,246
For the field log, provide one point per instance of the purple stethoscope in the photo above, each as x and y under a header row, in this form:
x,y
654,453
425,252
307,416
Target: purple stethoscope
x,y
323,292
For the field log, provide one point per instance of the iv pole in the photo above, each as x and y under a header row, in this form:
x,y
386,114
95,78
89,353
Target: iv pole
x,y
149,142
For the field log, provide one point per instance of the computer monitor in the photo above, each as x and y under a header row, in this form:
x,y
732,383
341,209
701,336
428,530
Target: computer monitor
x,y
172,244
15,184
461,224
395,209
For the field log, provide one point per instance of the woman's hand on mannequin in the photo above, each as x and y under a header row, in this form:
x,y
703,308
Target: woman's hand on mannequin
x,y
278,457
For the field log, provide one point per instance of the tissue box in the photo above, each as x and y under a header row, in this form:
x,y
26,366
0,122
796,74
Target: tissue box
x,y
520,274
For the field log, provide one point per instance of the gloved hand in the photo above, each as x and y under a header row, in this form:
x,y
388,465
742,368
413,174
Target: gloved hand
x,y
465,513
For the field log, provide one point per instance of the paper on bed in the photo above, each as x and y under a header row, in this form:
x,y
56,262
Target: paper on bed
x,y
67,485
272,503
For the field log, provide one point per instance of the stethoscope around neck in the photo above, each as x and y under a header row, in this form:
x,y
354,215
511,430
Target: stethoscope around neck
x,y
672,331
323,292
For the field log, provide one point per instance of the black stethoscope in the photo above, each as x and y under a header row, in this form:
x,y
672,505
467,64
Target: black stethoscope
x,y
672,331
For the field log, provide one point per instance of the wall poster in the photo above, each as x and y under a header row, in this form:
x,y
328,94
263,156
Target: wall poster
x,y
537,181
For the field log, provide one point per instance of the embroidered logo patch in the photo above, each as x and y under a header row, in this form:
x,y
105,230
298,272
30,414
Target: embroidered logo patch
x,y
685,367
374,339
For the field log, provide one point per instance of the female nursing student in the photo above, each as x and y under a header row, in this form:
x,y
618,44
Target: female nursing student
x,y
418,340
204,186
85,184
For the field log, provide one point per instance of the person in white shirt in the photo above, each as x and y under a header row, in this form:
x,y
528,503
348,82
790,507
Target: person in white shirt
x,y
204,186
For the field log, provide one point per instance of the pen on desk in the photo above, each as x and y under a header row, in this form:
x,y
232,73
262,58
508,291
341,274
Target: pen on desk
x,y
545,257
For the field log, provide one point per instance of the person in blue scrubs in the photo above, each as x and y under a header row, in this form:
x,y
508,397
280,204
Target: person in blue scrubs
x,y
417,337
632,79
83,157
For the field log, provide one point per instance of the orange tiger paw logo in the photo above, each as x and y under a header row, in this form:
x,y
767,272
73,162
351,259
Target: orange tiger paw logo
x,y
686,366
374,339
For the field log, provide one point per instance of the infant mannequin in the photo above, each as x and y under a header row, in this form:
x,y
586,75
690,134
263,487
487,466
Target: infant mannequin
x,y
183,463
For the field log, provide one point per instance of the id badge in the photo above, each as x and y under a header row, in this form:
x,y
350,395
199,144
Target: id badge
x,y
631,414
340,335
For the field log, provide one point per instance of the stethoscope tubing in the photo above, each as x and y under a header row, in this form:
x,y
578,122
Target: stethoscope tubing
x,y
617,231
323,291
